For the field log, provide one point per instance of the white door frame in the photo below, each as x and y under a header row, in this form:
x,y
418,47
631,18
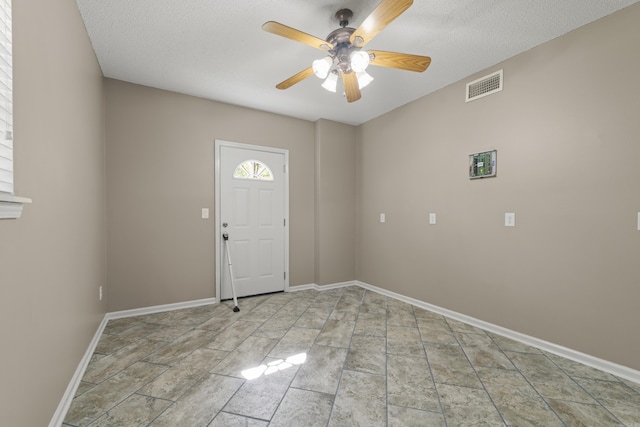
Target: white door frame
x,y
218,234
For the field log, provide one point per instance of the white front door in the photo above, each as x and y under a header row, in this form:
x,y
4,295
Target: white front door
x,y
252,213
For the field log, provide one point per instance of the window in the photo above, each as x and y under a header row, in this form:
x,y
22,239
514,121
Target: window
x,y
6,99
10,205
253,169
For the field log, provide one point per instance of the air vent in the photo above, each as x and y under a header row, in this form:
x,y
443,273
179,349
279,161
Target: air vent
x,y
484,86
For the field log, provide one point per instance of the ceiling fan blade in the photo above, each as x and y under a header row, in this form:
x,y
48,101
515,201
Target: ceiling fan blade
x,y
296,35
402,61
351,88
382,15
295,79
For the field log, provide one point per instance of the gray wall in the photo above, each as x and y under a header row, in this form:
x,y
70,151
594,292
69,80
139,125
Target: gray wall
x,y
160,173
52,260
335,192
567,133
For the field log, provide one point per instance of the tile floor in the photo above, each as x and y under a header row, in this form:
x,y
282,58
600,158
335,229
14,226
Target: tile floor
x,y
343,357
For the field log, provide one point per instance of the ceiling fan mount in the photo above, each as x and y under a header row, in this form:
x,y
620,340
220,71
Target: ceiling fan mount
x,y
343,16
345,57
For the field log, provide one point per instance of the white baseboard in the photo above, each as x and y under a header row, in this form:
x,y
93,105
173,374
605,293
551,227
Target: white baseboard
x,y
316,287
65,403
159,308
604,365
297,288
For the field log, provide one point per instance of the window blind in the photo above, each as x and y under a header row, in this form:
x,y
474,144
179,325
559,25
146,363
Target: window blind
x,y
6,99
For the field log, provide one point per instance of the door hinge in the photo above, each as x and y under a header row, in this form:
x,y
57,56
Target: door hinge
x,y
284,222
284,168
285,275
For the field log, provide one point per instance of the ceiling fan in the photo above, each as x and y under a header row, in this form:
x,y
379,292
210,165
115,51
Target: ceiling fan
x,y
345,57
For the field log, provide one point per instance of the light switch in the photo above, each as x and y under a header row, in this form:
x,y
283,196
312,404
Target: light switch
x,y
510,219
382,218
432,218
638,221
205,213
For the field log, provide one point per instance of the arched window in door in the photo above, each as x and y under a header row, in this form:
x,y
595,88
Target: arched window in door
x,y
253,169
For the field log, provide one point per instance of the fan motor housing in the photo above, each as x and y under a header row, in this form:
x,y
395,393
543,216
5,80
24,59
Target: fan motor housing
x,y
340,36
342,47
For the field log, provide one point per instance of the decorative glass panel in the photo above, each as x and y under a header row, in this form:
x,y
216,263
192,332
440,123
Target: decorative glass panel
x,y
253,169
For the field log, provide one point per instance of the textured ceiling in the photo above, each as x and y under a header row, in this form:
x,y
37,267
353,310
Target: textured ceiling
x,y
216,49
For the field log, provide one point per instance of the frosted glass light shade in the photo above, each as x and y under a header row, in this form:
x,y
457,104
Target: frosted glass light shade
x,y
322,66
363,79
359,61
331,82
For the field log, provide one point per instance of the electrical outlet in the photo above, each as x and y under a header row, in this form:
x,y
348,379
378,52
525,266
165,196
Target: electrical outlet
x,y
510,219
382,217
100,293
432,218
205,213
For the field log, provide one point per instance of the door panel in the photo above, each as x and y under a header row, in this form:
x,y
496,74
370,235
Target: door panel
x,y
254,210
265,258
241,207
240,259
266,208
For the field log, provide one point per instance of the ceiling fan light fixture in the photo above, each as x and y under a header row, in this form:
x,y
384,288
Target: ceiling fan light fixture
x,y
345,58
321,67
331,82
364,79
359,60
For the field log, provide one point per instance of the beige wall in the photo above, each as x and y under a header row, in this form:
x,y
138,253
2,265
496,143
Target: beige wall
x,y
160,173
335,192
52,260
567,133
